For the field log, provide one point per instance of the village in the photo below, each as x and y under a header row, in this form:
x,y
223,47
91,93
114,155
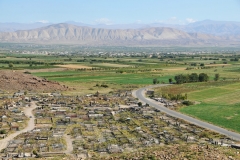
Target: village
x,y
92,126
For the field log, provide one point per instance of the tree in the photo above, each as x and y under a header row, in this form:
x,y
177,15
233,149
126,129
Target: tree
x,y
181,78
139,104
3,131
10,65
185,97
155,81
203,77
216,78
193,77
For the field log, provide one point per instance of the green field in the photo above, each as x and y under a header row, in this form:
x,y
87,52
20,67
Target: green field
x,y
227,116
107,77
216,102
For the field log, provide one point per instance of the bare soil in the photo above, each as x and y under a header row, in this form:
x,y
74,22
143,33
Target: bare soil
x,y
175,69
45,70
213,65
74,66
15,80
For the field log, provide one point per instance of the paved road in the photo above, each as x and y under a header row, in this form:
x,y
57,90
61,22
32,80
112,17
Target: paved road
x,y
140,95
30,126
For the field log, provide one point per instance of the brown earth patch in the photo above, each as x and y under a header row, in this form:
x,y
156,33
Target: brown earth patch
x,y
45,70
212,65
230,117
15,80
111,65
73,66
175,69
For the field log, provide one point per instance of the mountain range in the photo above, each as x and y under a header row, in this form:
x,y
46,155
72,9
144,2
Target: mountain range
x,y
206,26
204,33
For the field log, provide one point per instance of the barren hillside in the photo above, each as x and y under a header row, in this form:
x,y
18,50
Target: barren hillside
x,y
14,80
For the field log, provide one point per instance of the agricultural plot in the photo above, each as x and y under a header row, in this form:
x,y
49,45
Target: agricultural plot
x,y
74,66
107,77
216,102
110,65
226,116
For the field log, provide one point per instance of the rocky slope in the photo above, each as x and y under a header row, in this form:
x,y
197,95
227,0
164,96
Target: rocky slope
x,y
14,81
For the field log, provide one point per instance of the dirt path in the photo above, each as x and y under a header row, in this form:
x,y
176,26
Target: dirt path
x,y
69,144
30,126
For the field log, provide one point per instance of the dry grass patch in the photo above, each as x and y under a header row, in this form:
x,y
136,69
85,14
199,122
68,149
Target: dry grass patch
x,y
111,65
74,66
175,69
212,65
45,70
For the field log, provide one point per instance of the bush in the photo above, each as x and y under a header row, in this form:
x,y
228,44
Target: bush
x,y
3,131
187,103
204,135
104,85
27,72
140,104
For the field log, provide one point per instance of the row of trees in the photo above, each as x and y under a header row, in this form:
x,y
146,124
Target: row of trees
x,y
189,78
29,62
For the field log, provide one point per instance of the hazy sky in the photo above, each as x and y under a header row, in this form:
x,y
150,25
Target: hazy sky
x,y
118,11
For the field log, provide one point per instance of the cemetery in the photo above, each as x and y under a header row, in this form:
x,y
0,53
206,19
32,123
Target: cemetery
x,y
95,126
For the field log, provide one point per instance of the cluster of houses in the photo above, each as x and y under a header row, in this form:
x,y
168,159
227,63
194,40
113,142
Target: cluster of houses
x,y
96,123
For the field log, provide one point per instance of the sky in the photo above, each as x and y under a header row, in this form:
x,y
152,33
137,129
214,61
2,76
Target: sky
x,y
118,11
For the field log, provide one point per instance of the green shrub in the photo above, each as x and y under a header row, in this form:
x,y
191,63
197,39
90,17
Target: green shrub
x,y
3,131
187,103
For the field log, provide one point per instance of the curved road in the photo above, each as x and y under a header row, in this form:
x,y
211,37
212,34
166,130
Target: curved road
x,y
140,95
30,126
